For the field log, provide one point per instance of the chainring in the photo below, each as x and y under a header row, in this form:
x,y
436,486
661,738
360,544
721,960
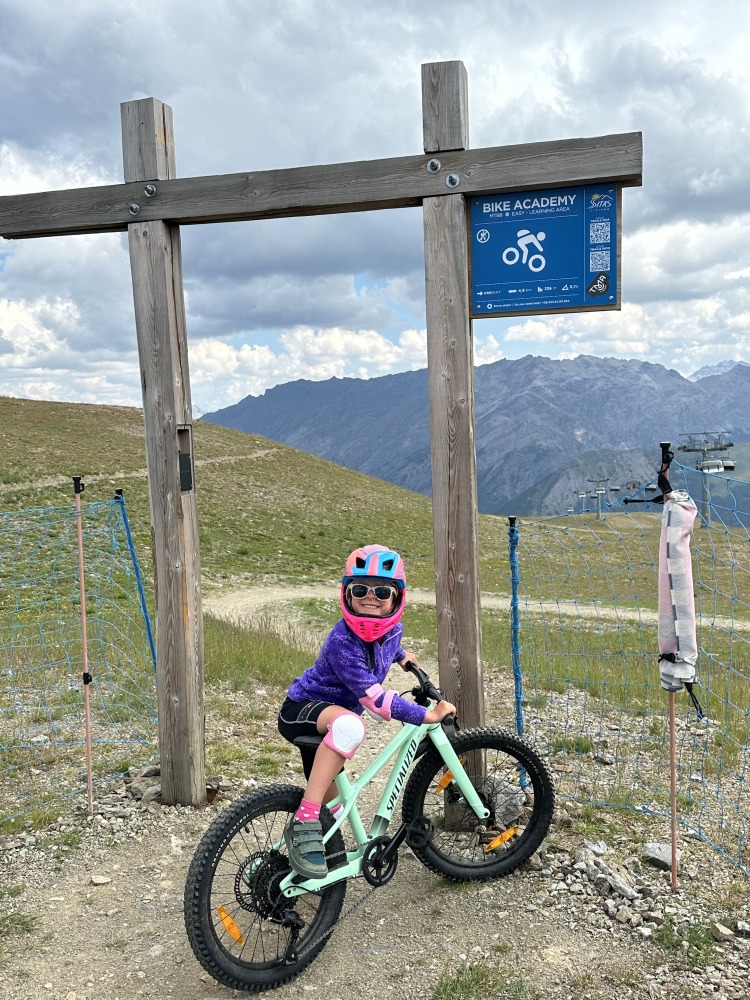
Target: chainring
x,y
375,870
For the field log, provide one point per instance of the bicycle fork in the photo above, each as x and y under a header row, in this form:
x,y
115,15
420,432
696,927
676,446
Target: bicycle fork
x,y
460,777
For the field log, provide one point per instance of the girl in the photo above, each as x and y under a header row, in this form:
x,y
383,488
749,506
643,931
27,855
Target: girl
x,y
346,678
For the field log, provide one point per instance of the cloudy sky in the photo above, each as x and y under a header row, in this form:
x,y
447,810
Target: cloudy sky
x,y
258,84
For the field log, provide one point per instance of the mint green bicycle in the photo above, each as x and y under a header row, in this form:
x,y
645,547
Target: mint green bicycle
x,y
476,805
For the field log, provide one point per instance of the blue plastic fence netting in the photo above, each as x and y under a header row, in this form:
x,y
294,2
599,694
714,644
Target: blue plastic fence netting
x,y
585,656
42,730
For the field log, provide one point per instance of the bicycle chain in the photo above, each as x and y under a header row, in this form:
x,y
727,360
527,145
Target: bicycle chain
x,y
347,913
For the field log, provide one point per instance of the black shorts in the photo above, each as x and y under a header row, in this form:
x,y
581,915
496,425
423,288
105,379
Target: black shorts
x,y
300,718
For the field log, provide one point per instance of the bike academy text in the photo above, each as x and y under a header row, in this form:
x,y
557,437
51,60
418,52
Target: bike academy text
x,y
528,204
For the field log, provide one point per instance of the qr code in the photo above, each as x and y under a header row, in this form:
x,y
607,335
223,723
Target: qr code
x,y
599,260
599,231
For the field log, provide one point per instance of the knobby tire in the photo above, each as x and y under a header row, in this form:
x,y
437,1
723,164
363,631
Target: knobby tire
x,y
237,869
511,779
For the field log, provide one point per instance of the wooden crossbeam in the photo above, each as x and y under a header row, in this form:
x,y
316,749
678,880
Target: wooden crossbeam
x,y
398,182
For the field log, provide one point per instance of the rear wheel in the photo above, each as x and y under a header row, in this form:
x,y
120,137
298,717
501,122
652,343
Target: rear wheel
x,y
514,784
243,931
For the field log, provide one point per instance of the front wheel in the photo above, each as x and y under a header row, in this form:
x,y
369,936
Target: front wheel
x,y
512,782
243,931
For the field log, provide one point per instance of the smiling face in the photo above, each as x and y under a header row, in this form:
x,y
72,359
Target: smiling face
x,y
370,605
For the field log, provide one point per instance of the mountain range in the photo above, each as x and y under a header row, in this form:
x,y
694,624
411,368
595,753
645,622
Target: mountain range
x,y
717,369
545,430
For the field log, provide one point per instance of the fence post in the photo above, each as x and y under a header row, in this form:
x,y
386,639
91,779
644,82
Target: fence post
x,y
515,622
120,499
78,488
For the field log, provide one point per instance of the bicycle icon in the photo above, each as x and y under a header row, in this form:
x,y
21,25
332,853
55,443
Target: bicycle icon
x,y
526,239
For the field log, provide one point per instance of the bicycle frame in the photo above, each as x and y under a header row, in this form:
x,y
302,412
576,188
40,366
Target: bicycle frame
x,y
403,747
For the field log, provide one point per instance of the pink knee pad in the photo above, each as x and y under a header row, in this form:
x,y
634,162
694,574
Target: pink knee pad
x,y
345,734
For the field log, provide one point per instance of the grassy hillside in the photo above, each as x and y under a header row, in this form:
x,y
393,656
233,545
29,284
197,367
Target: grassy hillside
x,y
265,510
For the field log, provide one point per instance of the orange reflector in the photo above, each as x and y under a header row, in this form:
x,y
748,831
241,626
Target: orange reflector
x,y
502,838
444,782
230,926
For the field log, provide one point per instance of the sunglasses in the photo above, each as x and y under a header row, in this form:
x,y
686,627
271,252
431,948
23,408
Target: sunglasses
x,y
361,590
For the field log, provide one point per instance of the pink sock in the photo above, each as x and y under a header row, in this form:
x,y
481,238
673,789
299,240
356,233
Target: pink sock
x,y
308,811
335,810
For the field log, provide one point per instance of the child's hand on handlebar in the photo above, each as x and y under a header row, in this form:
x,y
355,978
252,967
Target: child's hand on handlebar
x,y
409,660
438,712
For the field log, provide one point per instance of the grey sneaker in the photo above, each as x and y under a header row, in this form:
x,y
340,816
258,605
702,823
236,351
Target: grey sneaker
x,y
304,842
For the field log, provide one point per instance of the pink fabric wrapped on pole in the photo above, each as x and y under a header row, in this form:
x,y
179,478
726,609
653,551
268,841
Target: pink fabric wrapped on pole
x,y
678,648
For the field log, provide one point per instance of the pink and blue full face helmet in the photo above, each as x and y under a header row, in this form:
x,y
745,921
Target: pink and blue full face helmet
x,y
376,564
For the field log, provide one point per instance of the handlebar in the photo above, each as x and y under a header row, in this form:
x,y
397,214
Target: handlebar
x,y
425,692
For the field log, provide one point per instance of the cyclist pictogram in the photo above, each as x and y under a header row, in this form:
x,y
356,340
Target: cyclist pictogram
x,y
526,239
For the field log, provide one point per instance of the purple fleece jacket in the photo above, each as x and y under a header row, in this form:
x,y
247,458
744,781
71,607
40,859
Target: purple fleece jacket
x,y
342,672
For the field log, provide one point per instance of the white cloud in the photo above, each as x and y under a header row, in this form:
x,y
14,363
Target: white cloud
x,y
220,371
263,85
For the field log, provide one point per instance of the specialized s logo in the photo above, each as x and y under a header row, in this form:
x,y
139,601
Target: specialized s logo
x,y
599,285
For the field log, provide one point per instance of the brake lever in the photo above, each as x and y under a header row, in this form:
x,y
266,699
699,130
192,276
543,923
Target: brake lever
x,y
426,692
450,722
420,696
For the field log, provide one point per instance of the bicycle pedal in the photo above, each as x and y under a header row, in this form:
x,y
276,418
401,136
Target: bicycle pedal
x,y
420,832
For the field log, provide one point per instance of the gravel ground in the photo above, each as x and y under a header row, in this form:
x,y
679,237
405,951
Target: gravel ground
x,y
577,921
580,920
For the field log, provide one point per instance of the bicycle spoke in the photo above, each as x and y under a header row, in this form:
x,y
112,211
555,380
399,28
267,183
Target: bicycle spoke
x,y
511,782
234,882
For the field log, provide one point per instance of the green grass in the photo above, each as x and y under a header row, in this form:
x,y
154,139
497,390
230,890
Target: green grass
x,y
265,511
269,512
483,981
242,653
16,921
594,823
472,982
697,943
574,744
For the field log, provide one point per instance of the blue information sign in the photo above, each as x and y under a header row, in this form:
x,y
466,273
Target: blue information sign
x,y
545,251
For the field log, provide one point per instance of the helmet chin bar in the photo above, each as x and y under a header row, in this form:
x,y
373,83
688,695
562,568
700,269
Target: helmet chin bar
x,y
371,627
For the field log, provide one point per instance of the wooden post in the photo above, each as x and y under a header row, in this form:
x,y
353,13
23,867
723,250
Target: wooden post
x,y
155,257
450,366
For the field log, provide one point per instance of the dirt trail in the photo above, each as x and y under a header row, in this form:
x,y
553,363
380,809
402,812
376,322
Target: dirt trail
x,y
244,601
